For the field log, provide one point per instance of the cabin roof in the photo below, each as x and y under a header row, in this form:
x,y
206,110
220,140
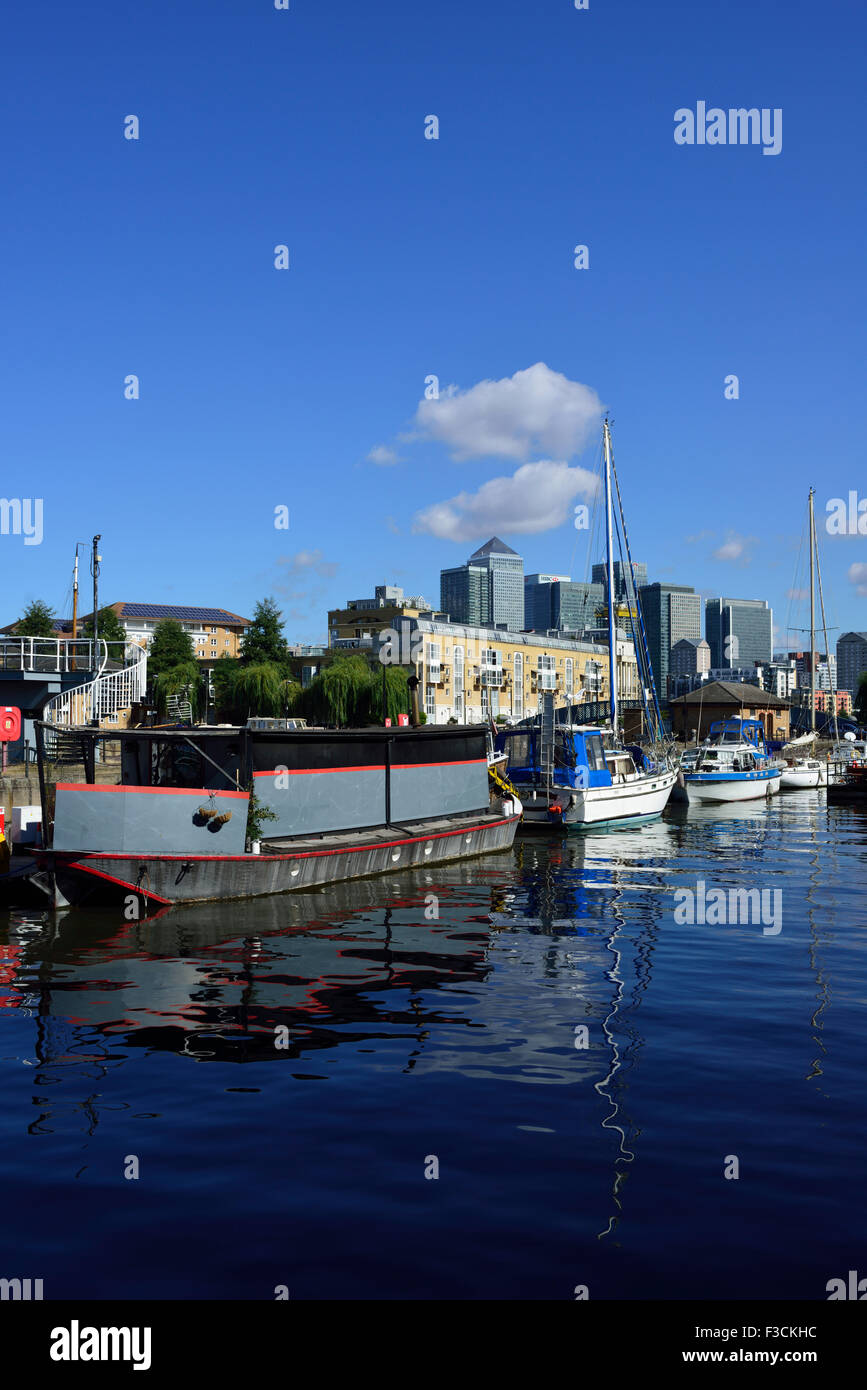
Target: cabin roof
x,y
731,693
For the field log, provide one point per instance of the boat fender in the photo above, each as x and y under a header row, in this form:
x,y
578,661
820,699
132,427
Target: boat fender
x,y
223,819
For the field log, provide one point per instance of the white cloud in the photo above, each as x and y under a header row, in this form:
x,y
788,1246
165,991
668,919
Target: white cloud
x,y
535,409
304,561
735,547
383,456
857,575
535,498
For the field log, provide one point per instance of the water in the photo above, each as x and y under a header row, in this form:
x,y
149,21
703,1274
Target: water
x,y
414,1037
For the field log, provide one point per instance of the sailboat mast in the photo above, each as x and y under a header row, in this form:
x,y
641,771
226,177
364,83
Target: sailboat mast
x,y
612,634
812,618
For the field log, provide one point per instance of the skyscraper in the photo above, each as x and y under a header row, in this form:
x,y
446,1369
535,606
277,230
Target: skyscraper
x,y
851,660
556,601
488,589
622,580
739,631
671,612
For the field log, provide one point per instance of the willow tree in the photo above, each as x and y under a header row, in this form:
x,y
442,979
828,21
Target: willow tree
x,y
183,680
260,689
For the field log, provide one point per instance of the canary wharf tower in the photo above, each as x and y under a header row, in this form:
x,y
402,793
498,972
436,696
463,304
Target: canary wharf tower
x,y
488,589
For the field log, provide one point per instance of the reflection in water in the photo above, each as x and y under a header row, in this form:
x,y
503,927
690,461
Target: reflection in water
x,y
437,1012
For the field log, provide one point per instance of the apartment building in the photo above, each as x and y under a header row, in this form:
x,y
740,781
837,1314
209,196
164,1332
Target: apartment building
x,y
470,673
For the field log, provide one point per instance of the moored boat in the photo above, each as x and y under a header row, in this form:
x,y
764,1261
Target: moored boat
x,y
734,765
178,826
576,775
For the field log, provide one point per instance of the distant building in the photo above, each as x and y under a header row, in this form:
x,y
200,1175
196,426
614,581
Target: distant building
x,y
214,632
688,656
489,588
851,660
778,677
356,625
671,612
556,602
739,631
693,714
623,588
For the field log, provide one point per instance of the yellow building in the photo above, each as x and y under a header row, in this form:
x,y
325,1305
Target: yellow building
x,y
470,673
358,624
214,632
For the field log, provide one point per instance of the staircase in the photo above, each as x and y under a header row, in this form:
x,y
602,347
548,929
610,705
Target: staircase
x,y
100,701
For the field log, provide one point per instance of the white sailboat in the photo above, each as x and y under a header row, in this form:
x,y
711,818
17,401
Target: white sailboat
x,y
615,791
803,770
578,775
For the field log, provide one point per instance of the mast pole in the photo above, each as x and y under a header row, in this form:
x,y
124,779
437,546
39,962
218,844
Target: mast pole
x,y
812,617
74,605
612,632
96,558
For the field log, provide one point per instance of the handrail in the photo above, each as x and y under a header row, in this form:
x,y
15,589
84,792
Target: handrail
x,y
104,696
56,654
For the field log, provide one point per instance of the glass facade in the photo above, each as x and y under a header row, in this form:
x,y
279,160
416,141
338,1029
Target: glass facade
x,y
487,590
671,612
622,581
739,631
851,660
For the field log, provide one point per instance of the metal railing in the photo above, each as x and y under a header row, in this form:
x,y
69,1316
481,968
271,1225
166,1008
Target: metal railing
x,y
60,655
105,697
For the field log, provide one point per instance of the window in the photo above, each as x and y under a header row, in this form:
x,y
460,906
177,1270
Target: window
x,y
491,669
595,753
213,629
568,679
213,641
430,700
433,662
518,687
519,750
459,682
546,673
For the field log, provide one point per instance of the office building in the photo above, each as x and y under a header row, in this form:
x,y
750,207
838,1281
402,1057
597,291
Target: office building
x,y
489,588
671,612
739,631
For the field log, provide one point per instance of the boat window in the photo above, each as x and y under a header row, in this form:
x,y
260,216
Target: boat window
x,y
518,749
176,764
595,753
564,753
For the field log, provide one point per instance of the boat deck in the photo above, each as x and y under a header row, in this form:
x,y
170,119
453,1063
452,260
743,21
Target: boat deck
x,y
380,834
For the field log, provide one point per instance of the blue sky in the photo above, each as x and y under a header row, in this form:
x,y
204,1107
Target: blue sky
x,y
410,258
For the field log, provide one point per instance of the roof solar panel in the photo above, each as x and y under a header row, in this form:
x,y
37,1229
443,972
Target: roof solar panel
x,y
180,613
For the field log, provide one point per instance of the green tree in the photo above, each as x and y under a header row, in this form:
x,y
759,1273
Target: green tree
x,y
111,628
264,641
223,677
185,680
38,620
262,690
349,692
171,647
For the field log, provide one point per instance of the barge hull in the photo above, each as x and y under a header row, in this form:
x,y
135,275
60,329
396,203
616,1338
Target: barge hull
x,y
91,878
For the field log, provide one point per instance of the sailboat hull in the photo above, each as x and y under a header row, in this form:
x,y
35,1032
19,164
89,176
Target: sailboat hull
x,y
621,804
732,787
800,777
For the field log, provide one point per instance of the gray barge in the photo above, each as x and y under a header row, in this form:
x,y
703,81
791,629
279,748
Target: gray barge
x,y
173,827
